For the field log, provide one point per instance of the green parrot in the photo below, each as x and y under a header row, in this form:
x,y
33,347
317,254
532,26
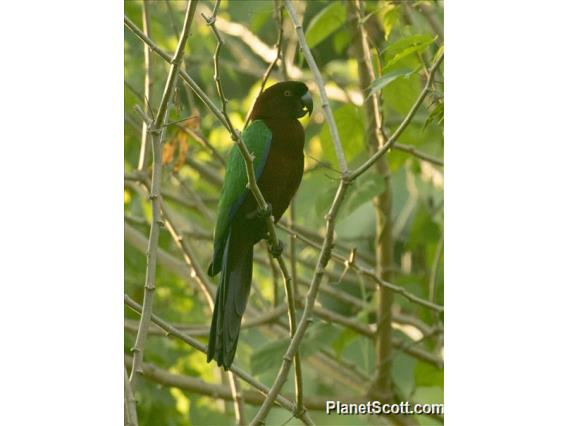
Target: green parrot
x,y
275,138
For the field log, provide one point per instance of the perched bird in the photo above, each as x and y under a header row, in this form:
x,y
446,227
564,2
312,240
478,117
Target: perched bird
x,y
275,137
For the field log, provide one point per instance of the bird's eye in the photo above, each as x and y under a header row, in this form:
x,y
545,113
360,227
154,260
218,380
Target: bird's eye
x,y
288,93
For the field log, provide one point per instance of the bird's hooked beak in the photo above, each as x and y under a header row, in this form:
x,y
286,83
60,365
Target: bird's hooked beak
x,y
308,103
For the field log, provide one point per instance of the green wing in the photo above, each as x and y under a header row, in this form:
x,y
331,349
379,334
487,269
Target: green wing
x,y
257,138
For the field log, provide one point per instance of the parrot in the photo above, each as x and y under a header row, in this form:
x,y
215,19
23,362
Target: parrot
x,y
275,138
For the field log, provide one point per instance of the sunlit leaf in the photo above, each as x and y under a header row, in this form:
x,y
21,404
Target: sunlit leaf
x,y
415,47
325,23
351,127
388,78
389,15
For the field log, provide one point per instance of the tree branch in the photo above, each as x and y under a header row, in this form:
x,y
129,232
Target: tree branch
x,y
280,21
158,134
129,402
147,87
321,86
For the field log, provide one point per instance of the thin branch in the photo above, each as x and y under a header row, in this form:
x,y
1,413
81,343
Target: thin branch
x,y
147,86
321,86
435,267
237,396
196,344
157,134
419,154
280,14
129,402
407,119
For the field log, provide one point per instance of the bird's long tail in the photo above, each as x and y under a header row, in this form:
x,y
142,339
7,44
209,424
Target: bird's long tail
x,y
231,299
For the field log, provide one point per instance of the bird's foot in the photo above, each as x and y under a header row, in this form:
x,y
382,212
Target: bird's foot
x,y
276,249
264,213
261,213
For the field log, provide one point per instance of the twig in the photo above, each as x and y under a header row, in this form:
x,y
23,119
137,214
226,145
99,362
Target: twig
x,y
321,86
419,154
237,396
147,86
157,136
196,344
129,402
435,267
268,71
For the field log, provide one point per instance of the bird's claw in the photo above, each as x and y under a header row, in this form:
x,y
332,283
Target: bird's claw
x,y
276,249
264,213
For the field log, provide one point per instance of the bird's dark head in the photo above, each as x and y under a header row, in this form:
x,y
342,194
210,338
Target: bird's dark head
x,y
288,99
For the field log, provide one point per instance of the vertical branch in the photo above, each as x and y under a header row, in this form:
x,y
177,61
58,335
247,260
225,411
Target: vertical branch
x,y
129,403
279,12
321,86
291,300
293,265
147,86
237,395
383,205
157,131
434,273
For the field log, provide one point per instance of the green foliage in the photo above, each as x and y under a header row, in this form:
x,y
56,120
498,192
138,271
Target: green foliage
x,y
380,82
325,23
351,128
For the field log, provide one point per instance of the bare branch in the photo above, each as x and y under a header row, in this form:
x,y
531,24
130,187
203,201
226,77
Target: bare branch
x,y
321,86
280,13
157,133
419,154
147,86
129,402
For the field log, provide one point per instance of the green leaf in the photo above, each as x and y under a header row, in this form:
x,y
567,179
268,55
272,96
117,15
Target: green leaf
x,y
325,23
364,190
428,375
403,374
323,201
415,47
383,81
389,15
435,116
268,356
351,127
402,43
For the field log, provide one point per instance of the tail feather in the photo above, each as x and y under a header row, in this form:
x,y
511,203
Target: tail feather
x,y
231,299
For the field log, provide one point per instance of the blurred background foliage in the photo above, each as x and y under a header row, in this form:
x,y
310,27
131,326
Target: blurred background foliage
x,y
339,361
